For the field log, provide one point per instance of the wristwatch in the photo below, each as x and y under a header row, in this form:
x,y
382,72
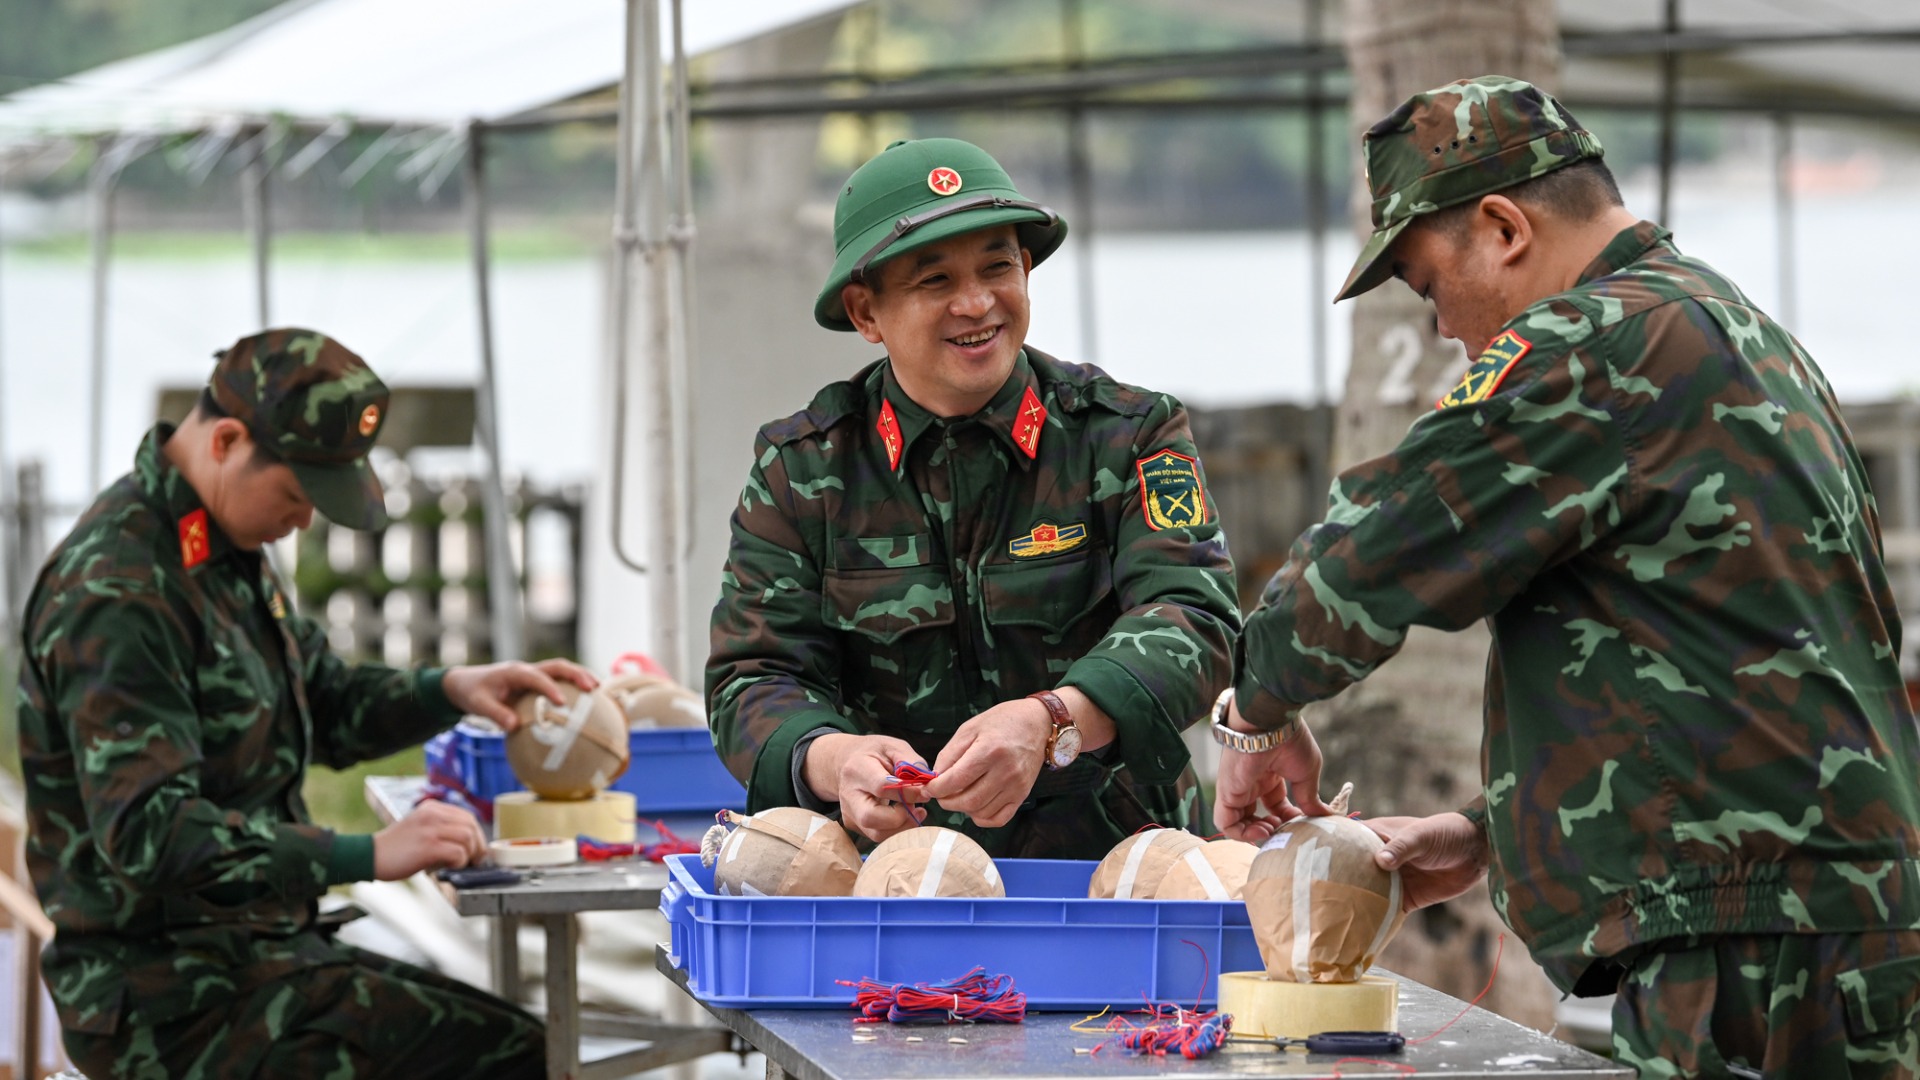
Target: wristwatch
x,y
1250,743
1063,742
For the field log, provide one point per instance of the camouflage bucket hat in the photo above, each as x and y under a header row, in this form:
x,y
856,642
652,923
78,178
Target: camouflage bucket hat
x,y
919,192
1452,145
310,400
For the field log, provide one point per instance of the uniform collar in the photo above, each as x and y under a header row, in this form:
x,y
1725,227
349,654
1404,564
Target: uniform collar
x,y
166,489
1003,415
1627,247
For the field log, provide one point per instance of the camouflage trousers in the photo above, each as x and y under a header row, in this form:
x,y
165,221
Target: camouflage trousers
x,y
1820,1006
374,1018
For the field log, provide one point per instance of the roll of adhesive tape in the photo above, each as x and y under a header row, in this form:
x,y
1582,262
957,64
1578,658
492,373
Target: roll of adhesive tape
x,y
535,851
607,816
1291,1010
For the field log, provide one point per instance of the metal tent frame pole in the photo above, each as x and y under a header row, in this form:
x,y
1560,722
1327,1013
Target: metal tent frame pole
x,y
100,180
1784,239
503,582
1080,177
253,204
1669,111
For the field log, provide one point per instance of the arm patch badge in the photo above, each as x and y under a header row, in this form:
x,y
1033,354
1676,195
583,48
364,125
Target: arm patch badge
x,y
1487,373
1170,494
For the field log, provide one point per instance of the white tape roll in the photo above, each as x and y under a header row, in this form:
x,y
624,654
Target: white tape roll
x,y
535,851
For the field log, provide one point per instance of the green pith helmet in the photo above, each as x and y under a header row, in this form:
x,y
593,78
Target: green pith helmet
x,y
918,192
317,406
1453,144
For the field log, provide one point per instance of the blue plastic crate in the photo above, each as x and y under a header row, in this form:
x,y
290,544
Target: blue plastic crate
x,y
671,770
1063,950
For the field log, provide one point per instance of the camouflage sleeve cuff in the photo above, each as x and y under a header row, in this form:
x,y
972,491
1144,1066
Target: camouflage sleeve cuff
x,y
773,771
350,859
429,690
1476,812
1258,707
1149,739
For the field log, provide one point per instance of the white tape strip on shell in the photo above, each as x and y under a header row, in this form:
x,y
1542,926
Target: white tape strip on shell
x,y
1196,861
1313,863
937,864
1131,868
576,719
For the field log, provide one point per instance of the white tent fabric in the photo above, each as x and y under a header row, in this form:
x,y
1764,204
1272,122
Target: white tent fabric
x,y
412,63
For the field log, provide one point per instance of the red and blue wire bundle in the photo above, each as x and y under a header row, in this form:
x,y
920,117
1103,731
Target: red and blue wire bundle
x,y
592,850
974,998
908,775
1172,1029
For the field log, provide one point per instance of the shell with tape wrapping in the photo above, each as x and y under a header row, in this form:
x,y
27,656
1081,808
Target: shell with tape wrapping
x,y
929,861
649,701
1216,870
786,851
570,751
1320,908
1134,868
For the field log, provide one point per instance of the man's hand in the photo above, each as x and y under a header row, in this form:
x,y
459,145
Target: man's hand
x,y
485,690
987,768
850,770
1285,780
1439,857
434,836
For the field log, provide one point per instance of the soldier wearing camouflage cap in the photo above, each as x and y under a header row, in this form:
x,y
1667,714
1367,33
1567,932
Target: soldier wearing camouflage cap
x,y
970,553
1701,771
170,700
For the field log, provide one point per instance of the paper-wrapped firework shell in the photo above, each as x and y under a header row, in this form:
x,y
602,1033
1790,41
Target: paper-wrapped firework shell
x,y
1133,869
649,701
929,861
1320,909
786,851
1216,870
570,751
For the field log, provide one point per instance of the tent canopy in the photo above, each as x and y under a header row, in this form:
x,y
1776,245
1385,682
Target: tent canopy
x,y
408,63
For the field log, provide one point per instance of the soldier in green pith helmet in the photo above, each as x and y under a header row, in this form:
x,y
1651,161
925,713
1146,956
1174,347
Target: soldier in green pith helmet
x,y
1701,771
170,700
969,553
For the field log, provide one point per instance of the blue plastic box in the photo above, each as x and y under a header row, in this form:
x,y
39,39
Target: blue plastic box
x,y
1063,950
671,770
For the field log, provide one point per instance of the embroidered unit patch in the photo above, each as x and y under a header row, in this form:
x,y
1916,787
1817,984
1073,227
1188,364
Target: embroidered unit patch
x,y
1027,426
889,428
1047,540
195,544
1486,374
1170,494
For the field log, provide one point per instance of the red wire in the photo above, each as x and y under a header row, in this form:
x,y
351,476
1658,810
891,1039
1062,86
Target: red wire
x,y
1499,947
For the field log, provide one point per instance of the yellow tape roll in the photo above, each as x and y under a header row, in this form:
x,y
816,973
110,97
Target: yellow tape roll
x,y
1266,1007
607,816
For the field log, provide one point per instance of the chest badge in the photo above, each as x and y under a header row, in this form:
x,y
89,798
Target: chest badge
x,y
195,543
1488,372
889,428
1048,540
1170,492
1028,425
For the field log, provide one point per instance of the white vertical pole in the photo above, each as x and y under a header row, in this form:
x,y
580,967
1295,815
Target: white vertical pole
x,y
503,583
100,180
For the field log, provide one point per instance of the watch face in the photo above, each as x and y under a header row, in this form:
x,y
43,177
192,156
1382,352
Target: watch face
x,y
1066,746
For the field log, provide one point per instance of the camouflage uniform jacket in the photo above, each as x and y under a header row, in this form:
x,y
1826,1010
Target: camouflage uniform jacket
x,y
169,705
894,573
1695,722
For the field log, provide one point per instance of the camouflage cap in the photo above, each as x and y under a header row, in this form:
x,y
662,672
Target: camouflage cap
x,y
1452,145
918,192
318,406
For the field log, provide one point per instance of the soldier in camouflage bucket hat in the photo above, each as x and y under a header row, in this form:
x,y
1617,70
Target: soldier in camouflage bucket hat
x,y
170,700
1701,773
969,553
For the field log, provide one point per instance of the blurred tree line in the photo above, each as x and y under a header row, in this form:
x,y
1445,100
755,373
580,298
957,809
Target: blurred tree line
x,y
48,39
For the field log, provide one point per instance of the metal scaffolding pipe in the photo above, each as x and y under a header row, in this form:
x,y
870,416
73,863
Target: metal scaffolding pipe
x,y
1080,177
503,582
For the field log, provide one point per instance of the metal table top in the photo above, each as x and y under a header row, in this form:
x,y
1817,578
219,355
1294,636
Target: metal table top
x,y
621,886
818,1044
